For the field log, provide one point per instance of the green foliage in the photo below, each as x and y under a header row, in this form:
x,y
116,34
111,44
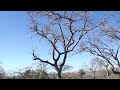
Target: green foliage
x,y
32,74
41,74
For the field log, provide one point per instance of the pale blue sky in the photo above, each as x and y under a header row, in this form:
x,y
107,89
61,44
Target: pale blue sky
x,y
16,44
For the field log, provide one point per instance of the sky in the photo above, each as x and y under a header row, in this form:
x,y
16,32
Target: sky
x,y
16,44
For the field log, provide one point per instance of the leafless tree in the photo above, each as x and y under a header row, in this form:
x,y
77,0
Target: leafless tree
x,y
93,67
106,52
103,64
63,30
112,30
105,43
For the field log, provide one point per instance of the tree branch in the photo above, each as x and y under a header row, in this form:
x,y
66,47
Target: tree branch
x,y
62,34
36,58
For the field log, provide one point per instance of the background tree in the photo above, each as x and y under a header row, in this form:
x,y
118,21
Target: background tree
x,y
63,30
41,71
103,64
93,67
81,73
112,31
2,73
29,73
67,67
104,44
26,73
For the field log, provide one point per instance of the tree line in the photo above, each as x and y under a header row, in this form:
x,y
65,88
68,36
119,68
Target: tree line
x,y
96,69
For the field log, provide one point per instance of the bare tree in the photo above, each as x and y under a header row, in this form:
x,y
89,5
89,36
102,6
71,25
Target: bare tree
x,y
103,46
112,30
104,65
107,44
93,67
63,30
106,52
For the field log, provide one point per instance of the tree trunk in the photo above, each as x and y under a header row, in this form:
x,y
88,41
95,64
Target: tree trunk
x,y
81,76
59,74
108,74
94,75
119,71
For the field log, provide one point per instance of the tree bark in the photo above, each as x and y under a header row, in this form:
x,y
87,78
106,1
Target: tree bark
x,y
81,76
108,74
94,76
59,74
